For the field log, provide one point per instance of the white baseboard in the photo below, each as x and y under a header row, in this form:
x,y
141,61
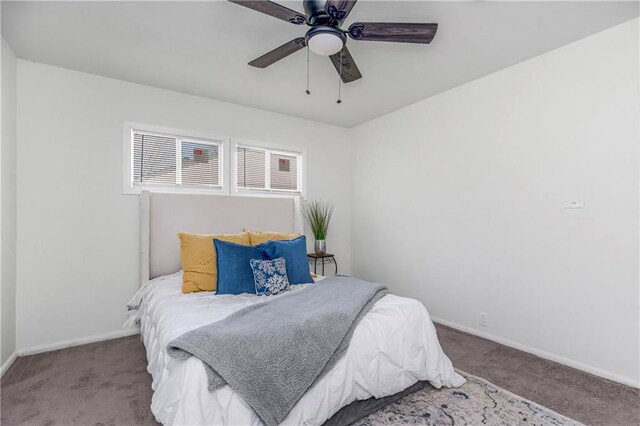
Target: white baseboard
x,y
8,363
76,342
542,354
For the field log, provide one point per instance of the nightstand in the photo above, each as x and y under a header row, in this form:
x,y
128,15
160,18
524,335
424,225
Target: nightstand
x,y
323,258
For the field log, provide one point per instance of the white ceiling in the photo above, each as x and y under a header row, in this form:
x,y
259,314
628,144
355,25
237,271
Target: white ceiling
x,y
202,48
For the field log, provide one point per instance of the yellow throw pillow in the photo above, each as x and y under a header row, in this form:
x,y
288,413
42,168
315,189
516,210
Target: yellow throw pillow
x,y
259,237
198,255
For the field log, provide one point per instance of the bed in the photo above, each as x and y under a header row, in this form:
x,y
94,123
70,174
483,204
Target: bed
x,y
393,347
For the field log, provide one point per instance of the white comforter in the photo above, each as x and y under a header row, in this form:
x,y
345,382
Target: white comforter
x,y
394,346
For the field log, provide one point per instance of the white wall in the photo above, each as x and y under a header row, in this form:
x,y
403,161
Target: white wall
x,y
458,201
8,204
78,240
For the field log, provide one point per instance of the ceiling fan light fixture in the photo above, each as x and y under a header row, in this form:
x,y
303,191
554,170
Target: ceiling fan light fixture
x,y
325,40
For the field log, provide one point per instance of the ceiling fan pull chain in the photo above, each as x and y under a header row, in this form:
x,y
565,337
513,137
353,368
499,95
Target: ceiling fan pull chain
x,y
340,80
308,91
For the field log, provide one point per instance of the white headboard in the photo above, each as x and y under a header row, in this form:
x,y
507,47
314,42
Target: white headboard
x,y
163,216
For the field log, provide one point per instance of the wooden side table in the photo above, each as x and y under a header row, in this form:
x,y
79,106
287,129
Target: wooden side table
x,y
323,258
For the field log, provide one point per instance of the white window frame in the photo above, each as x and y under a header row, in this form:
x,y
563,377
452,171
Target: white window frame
x,y
127,159
301,153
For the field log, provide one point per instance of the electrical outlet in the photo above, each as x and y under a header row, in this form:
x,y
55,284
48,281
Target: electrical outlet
x,y
484,319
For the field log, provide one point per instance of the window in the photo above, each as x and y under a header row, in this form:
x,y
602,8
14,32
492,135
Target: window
x,y
263,169
167,161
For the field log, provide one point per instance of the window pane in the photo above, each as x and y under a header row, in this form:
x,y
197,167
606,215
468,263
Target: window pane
x,y
154,159
284,172
200,164
250,168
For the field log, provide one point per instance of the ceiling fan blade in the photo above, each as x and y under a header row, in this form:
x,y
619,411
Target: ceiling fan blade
x,y
279,53
350,71
339,9
273,9
394,32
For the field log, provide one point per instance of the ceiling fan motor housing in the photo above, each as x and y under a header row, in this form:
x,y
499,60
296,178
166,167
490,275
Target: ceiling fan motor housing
x,y
316,12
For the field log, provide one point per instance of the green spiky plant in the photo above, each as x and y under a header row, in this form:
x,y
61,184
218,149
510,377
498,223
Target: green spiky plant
x,y
318,215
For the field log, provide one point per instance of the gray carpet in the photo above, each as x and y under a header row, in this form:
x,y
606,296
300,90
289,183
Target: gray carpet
x,y
102,383
107,383
573,393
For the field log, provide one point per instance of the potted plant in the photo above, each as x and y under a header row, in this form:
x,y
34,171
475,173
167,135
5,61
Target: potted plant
x,y
318,215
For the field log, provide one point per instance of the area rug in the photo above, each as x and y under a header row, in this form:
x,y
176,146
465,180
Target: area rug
x,y
477,402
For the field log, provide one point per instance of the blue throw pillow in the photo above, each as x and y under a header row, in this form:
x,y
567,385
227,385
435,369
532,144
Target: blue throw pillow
x,y
295,254
270,276
235,275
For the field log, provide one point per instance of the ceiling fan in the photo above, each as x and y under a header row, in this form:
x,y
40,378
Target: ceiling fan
x,y
326,38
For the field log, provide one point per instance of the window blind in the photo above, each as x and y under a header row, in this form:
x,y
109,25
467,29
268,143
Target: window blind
x,y
167,160
154,159
284,172
200,164
265,169
251,168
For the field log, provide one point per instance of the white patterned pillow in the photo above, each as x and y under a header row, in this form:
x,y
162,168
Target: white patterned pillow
x,y
270,276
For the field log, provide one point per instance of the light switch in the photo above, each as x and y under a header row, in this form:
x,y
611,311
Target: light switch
x,y
576,203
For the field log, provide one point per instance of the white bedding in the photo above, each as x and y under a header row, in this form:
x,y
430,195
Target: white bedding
x,y
394,346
